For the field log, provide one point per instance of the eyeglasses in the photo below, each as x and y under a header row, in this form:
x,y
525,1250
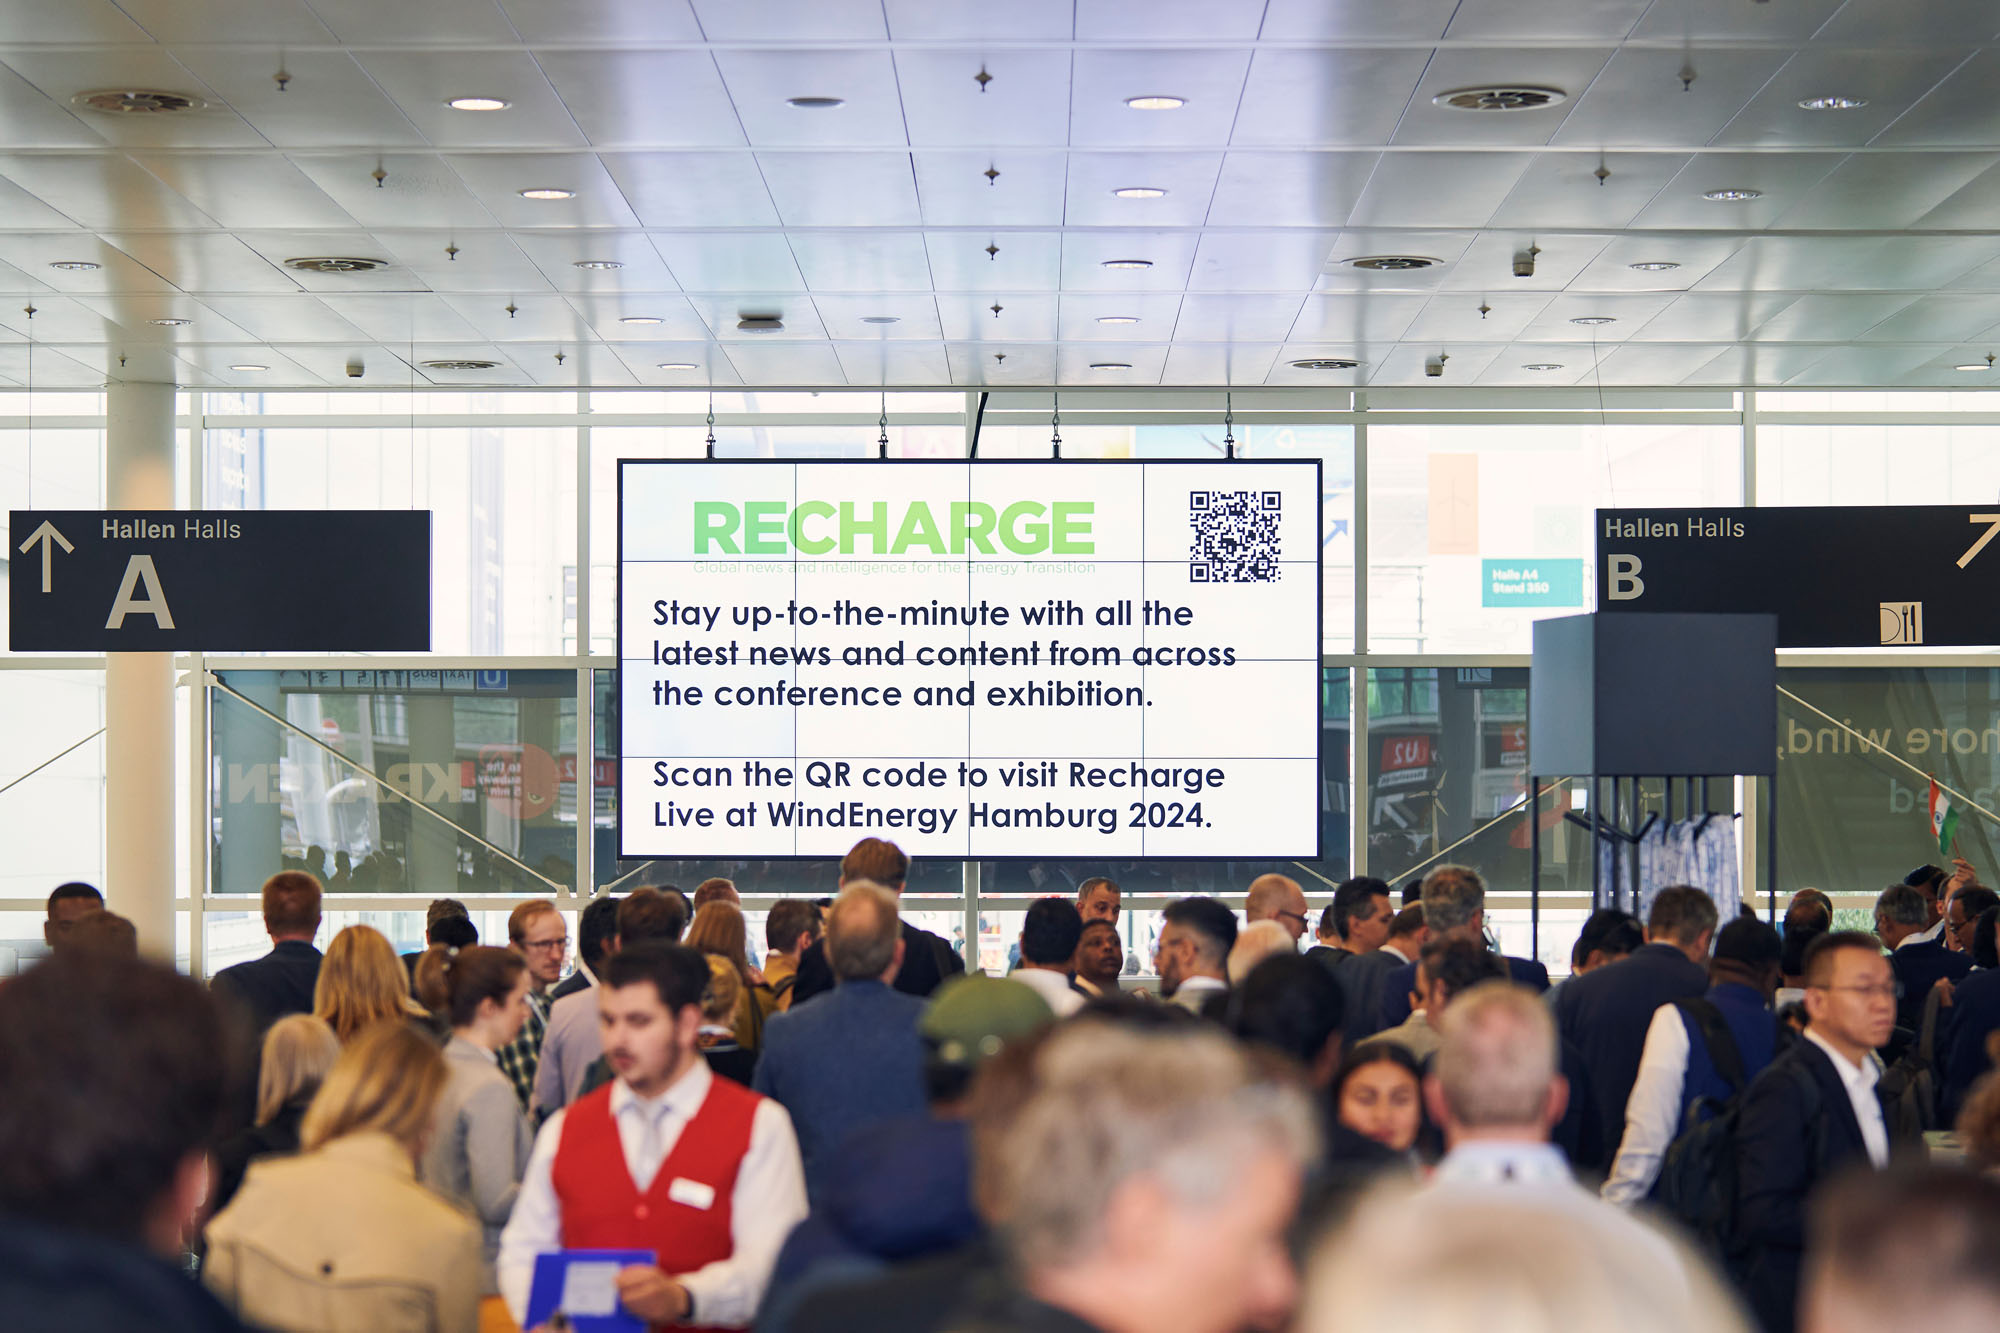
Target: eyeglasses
x,y
1294,916
559,945
1891,991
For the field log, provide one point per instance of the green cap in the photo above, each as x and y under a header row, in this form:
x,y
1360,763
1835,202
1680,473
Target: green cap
x,y
972,1017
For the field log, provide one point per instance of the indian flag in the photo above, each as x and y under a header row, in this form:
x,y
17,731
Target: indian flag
x,y
1944,819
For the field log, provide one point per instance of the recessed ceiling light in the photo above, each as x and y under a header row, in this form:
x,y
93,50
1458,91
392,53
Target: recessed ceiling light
x,y
1982,366
1732,196
458,363
170,323
597,263
881,319
479,104
1139,192
74,265
678,365
1117,319
1111,365
1391,263
547,192
246,366
1128,263
1156,103
640,319
1542,365
1655,266
1504,97
1327,363
1833,102
1593,321
815,103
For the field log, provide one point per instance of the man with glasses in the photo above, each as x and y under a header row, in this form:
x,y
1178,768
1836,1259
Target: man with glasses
x,y
540,934
1275,898
1814,1112
1902,917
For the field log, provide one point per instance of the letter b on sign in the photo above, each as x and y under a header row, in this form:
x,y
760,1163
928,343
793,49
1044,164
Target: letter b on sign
x,y
1622,575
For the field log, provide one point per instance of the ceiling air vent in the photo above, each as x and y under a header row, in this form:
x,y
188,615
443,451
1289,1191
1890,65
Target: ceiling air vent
x,y
335,264
455,364
1392,263
1327,363
1507,97
136,101
760,324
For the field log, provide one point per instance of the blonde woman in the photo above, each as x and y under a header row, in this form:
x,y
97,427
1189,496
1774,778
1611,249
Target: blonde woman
x,y
361,983
718,930
299,1050
342,1236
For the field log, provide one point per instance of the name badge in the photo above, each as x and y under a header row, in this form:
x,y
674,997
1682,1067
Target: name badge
x,y
691,1192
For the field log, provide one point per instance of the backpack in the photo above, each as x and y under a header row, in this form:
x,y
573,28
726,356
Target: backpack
x,y
1697,1184
1909,1087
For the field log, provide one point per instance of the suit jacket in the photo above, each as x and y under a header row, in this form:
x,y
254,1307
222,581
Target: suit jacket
x,y
1392,998
570,985
1919,967
840,1061
1361,979
268,988
1605,1014
1796,1128
927,962
1974,1015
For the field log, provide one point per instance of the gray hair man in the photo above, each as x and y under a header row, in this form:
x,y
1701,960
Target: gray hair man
x,y
1454,907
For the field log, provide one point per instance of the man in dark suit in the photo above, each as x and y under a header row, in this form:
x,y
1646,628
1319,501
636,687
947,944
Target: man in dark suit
x,y
927,959
1454,906
1812,1113
1605,1013
1974,1016
594,931
1364,975
282,981
1902,917
852,1056
1353,927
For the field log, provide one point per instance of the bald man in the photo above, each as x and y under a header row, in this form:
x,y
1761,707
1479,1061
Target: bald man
x,y
1276,898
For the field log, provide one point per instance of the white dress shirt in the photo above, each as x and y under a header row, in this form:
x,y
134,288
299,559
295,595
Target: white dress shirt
x,y
1925,937
1860,1084
1653,1115
1192,993
1051,986
769,1199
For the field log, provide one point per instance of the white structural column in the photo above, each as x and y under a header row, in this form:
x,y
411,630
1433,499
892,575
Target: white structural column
x,y
139,689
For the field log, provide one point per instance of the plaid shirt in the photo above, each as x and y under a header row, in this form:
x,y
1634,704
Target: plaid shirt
x,y
519,1057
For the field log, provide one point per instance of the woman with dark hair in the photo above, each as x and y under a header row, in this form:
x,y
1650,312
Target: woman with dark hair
x,y
718,930
1378,1095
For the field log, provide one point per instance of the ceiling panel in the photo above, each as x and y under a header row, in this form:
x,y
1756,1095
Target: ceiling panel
x,y
274,21
602,20
432,23
1932,319
61,74
1857,365
842,189
64,319
1960,112
604,313
1908,22
1782,178
1289,189
1631,311
1532,365
1022,317
278,246
535,319
83,367
1188,179
1458,318
730,261
1347,318
1696,254
916,317
955,191
785,363
900,362
1026,104
796,20
30,255
1219,363
284,319
1156,312
506,370
619,99
1211,82
497,180
958,20
1110,364
241,190
1339,274
1654,363
1259,261
980,363
1236,319
403,317
872,261
1567,68
760,82
1284,372
1171,254
134,311
1315,97
1711,317
1120,20
1849,263
97,192
1026,261
582,364
1438,189
1885,191
1889,81
328,103
34,120
1722,20
486,262
1827,318
196,262
721,314
693,189
643,361
556,255
212,363
421,82
1564,189
78,21
1532,20
414,186
1750,364
1488,263
1640,99
1464,364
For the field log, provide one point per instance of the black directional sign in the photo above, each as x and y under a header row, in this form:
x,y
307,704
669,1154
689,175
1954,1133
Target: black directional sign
x,y
1837,577
92,580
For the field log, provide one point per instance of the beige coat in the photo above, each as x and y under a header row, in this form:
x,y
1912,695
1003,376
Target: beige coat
x,y
344,1240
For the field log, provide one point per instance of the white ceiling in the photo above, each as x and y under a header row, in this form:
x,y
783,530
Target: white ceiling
x,y
1309,138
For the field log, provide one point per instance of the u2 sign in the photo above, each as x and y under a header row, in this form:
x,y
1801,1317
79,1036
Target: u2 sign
x,y
1836,577
239,581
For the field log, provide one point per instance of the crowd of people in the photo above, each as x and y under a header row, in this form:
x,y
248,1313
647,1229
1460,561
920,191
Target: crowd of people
x,y
1709,1124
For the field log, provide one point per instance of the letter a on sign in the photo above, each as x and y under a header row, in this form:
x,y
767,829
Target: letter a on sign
x,y
139,572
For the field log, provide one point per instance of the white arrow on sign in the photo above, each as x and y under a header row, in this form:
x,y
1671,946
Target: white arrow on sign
x,y
50,539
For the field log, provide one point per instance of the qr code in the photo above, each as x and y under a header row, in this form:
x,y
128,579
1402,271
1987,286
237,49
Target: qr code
x,y
1235,536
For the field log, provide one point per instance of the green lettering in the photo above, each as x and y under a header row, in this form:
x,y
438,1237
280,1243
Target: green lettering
x,y
918,526
877,527
971,525
1023,538
764,527
810,545
1070,528
715,524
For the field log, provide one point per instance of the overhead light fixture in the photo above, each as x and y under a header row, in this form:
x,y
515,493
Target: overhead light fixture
x,y
1117,319
1111,365
1139,192
1156,102
479,104
640,319
170,323
760,324
458,363
597,264
1593,321
1326,363
1391,263
1128,263
1540,366
1732,196
881,319
815,103
546,192
678,365
1833,102
1504,97
75,265
1654,266
137,102
1980,366
246,367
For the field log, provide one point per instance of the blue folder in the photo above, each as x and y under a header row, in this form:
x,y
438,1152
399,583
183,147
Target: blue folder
x,y
552,1278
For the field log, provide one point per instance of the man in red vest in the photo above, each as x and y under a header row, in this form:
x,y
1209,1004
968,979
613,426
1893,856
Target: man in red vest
x,y
699,1170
